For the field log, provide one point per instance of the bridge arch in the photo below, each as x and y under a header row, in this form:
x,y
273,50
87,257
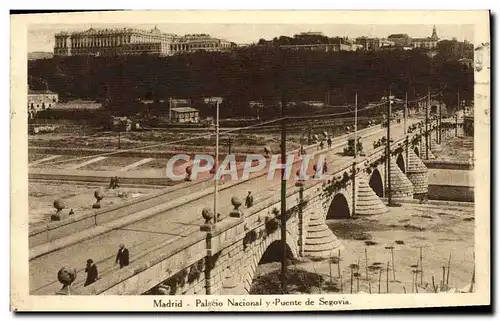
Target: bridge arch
x,y
339,207
268,251
400,161
376,183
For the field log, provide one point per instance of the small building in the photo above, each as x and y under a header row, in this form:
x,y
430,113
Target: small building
x,y
369,43
185,115
400,39
121,124
469,126
428,42
41,99
467,62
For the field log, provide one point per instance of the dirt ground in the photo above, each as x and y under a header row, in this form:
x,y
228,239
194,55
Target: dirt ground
x,y
455,148
78,197
240,142
439,231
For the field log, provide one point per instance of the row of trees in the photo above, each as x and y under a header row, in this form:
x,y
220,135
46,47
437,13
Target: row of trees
x,y
302,39
253,73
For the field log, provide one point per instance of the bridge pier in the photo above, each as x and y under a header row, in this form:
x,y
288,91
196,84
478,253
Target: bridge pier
x,y
417,174
368,203
401,187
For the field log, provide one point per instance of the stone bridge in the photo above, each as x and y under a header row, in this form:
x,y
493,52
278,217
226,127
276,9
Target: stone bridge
x,y
222,257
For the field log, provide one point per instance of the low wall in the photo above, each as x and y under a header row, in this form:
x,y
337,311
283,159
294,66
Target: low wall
x,y
103,179
451,193
46,232
164,261
439,164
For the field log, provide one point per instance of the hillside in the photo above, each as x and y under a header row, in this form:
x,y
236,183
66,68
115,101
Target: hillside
x,y
40,55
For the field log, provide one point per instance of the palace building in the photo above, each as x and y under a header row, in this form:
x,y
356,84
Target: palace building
x,y
131,41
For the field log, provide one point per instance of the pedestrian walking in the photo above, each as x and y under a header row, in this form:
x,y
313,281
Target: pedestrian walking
x,y
249,200
92,273
321,145
123,256
329,141
111,183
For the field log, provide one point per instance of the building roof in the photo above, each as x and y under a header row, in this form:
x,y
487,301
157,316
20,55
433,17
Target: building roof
x,y
398,35
40,92
184,109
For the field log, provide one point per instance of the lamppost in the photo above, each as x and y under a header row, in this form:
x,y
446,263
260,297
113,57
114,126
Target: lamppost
x,y
216,162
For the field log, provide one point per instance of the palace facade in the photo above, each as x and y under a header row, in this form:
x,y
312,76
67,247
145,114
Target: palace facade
x,y
131,41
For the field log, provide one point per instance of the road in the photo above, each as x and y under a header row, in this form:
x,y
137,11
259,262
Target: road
x,y
142,236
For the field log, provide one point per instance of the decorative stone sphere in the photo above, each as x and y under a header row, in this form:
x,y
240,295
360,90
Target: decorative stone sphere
x,y
59,204
325,134
66,275
207,214
236,202
98,194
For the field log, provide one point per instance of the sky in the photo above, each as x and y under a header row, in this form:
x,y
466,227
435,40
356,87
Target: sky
x,y
41,37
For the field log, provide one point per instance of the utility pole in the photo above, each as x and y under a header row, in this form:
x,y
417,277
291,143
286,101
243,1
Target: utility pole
x,y
355,153
439,124
405,112
216,163
283,196
309,132
170,109
388,152
404,122
427,123
229,145
355,125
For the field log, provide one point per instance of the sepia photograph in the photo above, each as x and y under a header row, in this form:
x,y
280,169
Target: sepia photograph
x,y
237,161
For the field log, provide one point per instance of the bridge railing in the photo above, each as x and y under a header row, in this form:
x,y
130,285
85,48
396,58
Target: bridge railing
x,y
42,233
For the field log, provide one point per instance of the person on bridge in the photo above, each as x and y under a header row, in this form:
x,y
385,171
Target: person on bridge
x,y
329,141
249,200
92,274
122,257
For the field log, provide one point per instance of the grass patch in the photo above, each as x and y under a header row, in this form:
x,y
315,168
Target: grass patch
x,y
355,230
361,236
298,280
412,227
424,216
36,194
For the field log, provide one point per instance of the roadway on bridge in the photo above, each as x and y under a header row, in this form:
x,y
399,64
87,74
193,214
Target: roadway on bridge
x,y
169,226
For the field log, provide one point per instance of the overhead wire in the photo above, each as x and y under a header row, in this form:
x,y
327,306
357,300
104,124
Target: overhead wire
x,y
226,132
